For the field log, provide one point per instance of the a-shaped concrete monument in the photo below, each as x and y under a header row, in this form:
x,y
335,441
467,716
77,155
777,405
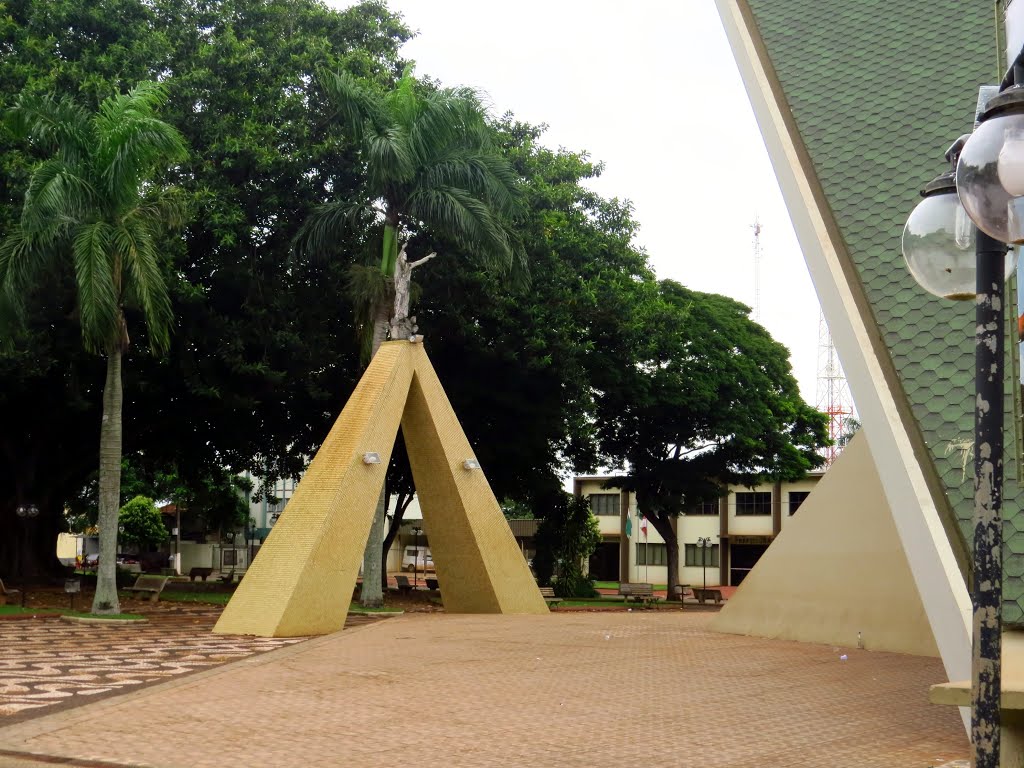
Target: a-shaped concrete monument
x,y
301,582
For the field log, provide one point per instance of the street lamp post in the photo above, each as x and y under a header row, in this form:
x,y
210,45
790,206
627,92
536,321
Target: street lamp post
x,y
26,513
985,191
704,543
416,531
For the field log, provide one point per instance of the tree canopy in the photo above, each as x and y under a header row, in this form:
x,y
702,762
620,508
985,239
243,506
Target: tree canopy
x,y
596,364
710,402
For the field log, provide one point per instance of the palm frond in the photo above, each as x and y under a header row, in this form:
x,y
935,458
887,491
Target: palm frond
x,y
367,288
144,282
387,156
99,296
466,220
56,195
22,257
54,124
128,151
482,174
166,208
327,225
357,107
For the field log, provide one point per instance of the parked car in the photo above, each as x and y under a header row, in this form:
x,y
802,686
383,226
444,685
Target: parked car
x,y
417,558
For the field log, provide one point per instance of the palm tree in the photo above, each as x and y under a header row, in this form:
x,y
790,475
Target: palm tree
x,y
92,202
430,167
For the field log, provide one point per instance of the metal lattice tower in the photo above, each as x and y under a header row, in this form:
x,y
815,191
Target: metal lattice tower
x,y
834,397
756,226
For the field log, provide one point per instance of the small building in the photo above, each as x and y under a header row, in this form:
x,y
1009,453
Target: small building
x,y
738,528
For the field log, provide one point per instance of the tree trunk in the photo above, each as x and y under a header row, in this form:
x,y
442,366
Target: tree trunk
x,y
401,504
109,488
663,525
371,595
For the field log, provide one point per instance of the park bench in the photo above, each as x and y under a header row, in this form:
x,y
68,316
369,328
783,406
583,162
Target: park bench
x,y
640,593
432,583
708,593
403,584
198,572
149,586
227,578
548,593
7,595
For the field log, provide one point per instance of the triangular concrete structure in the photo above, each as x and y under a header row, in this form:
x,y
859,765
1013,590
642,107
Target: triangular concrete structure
x,y
837,569
301,582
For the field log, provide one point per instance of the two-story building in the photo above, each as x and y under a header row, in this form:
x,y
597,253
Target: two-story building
x,y
719,542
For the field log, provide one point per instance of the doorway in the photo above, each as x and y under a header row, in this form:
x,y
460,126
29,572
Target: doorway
x,y
604,563
742,558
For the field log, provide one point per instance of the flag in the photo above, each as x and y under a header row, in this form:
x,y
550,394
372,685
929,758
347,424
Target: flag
x,y
629,527
643,526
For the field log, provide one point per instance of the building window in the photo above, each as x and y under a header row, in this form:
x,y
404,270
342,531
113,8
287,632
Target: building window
x,y
796,498
229,557
759,503
651,554
704,508
693,554
604,504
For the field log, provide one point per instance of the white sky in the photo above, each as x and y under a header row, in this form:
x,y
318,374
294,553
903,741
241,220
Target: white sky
x,y
650,88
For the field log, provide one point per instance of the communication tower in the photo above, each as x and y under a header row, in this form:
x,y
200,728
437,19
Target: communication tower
x,y
834,397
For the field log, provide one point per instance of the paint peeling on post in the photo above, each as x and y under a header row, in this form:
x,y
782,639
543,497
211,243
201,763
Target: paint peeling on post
x,y
987,591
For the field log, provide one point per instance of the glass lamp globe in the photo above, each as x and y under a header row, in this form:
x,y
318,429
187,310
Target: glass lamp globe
x,y
938,243
990,171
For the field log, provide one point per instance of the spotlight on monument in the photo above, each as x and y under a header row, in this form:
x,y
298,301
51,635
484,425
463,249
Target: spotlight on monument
x,y
371,458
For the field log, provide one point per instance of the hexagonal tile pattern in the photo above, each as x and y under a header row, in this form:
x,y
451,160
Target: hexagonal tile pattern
x,y
878,91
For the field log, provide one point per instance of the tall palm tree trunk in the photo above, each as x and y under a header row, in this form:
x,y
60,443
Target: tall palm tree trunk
x,y
371,595
105,600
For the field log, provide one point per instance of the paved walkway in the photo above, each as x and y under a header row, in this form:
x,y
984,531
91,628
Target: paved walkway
x,y
52,663
624,689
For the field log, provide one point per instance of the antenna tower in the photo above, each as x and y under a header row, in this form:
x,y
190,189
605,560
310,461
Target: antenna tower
x,y
834,396
756,226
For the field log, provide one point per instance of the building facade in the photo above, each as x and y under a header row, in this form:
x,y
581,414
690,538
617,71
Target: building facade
x,y
719,542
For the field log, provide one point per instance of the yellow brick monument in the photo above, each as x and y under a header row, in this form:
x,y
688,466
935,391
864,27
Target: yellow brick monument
x,y
301,582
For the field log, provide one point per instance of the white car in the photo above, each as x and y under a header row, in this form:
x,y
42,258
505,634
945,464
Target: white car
x,y
417,559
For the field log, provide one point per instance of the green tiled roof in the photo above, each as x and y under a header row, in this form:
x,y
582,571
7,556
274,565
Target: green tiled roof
x,y
879,90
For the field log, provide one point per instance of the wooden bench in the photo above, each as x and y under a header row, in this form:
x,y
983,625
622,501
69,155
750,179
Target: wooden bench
x,y
403,584
201,573
548,593
432,583
227,578
7,595
150,586
640,593
708,593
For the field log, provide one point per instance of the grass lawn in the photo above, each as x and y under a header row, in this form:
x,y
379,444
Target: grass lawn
x,y
615,585
9,610
210,598
585,602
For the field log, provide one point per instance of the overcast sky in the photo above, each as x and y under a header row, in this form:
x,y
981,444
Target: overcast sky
x,y
651,89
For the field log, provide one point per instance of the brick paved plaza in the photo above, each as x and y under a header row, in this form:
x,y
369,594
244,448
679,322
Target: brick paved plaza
x,y
571,689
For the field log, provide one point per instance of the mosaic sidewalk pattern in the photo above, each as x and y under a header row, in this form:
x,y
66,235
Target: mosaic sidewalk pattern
x,y
49,662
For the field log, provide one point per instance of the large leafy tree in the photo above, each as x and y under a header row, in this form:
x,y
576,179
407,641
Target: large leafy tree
x,y
431,171
710,401
256,333
47,401
91,206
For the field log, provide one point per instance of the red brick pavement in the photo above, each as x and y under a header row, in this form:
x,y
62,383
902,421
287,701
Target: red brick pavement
x,y
621,689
